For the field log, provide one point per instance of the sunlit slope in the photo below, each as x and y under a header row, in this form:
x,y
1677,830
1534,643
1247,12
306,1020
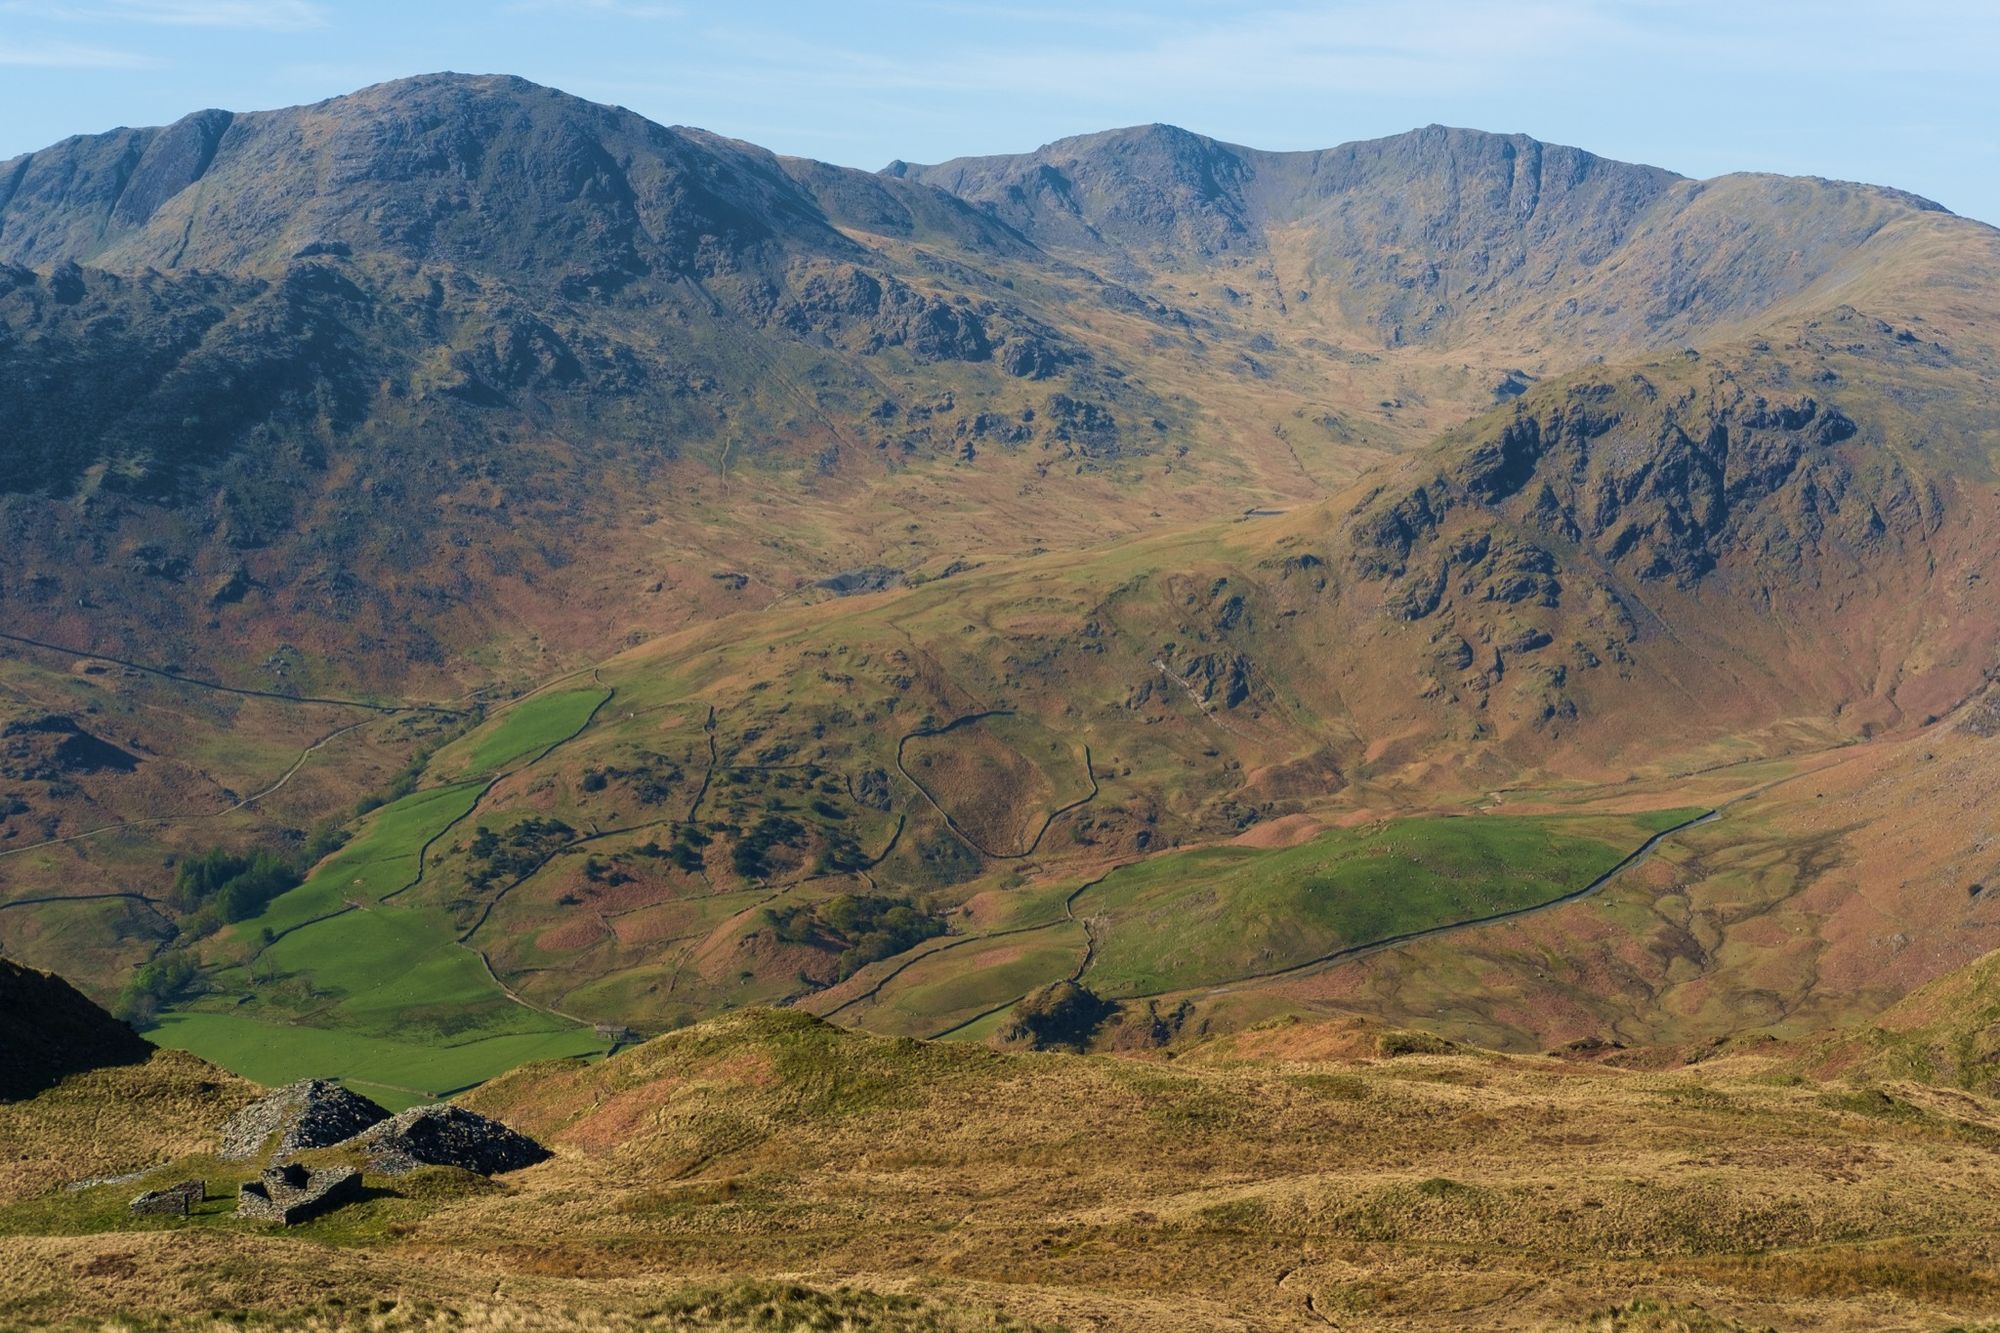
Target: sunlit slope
x,y
1637,573
358,974
972,568
1292,1172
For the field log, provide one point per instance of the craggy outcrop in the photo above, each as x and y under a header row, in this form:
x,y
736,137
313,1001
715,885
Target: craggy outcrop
x,y
870,311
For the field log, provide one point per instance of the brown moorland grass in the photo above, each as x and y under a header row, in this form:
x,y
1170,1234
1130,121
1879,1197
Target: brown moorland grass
x,y
112,1120
1279,1179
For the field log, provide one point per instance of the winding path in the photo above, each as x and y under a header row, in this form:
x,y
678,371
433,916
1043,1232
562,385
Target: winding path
x,y
220,688
150,821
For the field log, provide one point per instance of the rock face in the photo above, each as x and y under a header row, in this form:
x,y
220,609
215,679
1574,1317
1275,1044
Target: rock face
x,y
53,747
448,1136
290,1194
48,1029
315,1113
173,1201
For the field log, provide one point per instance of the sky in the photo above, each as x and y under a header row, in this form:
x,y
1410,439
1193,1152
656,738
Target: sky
x,y
1901,93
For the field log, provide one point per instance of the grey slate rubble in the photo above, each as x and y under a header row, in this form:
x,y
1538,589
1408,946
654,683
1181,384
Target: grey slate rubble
x,y
448,1136
291,1193
173,1201
319,1113
314,1113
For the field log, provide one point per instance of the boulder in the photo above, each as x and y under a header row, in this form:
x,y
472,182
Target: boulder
x,y
315,1113
448,1136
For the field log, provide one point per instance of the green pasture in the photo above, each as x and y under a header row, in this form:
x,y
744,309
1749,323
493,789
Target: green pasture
x,y
1217,914
380,860
530,727
343,977
395,1073
955,985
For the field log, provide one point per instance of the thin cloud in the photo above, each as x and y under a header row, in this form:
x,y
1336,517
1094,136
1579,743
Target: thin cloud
x,y
264,15
243,15
1369,47
67,55
616,9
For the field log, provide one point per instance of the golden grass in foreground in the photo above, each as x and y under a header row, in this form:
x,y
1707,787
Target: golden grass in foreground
x,y
113,1120
1461,1190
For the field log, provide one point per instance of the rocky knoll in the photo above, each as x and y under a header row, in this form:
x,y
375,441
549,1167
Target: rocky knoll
x,y
52,746
1757,524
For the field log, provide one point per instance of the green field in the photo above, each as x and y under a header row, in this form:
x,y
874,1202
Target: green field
x,y
956,985
1214,915
395,1073
530,727
379,861
347,977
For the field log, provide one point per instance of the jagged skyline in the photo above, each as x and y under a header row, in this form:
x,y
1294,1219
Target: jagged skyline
x,y
1695,86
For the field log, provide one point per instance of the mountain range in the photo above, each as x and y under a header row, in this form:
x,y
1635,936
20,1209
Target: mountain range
x,y
1145,733
490,578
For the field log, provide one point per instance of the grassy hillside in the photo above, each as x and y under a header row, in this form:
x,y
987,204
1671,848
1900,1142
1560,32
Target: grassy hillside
x,y
770,1168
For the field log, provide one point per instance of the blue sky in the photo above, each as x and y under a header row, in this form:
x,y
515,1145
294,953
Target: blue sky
x,y
1900,93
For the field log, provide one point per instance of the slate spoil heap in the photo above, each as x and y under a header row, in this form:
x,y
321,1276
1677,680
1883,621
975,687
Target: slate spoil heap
x,y
448,1136
314,1113
318,1113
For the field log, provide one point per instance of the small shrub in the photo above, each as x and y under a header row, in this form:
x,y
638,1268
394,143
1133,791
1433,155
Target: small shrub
x,y
1060,1016
1405,1041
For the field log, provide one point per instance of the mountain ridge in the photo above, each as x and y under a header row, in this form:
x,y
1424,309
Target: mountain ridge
x,y
1245,495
